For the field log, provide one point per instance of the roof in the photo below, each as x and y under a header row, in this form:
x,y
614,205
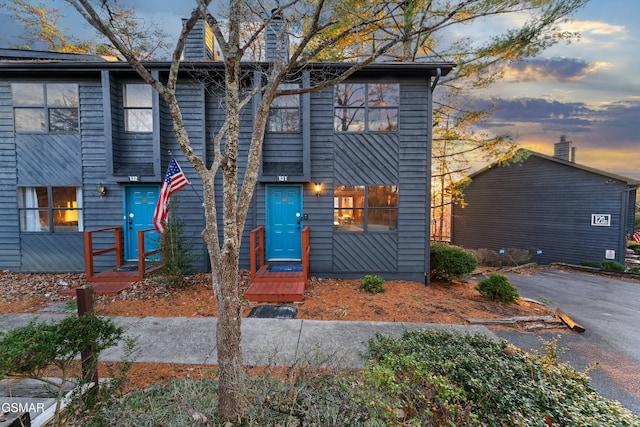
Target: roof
x,y
629,181
16,60
22,55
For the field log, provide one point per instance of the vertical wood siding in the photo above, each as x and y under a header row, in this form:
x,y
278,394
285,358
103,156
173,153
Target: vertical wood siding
x,y
545,205
414,198
10,235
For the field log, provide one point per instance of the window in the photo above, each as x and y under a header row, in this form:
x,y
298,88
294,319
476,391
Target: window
x,y
284,113
50,209
366,107
138,108
45,107
372,208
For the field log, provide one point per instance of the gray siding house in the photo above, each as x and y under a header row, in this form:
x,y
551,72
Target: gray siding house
x,y
572,213
85,145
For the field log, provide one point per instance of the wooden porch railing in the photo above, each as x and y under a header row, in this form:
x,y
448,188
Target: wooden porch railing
x,y
306,250
257,247
257,250
118,248
89,253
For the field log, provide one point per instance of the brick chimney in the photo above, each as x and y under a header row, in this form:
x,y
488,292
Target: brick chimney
x,y
200,43
563,150
277,39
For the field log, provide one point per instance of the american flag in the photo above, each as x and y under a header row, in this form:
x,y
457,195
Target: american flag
x,y
174,180
636,236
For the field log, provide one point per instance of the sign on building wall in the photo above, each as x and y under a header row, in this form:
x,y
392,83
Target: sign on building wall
x,y
601,220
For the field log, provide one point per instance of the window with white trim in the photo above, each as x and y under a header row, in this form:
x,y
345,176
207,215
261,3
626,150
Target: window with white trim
x,y
359,208
50,209
138,107
366,107
45,107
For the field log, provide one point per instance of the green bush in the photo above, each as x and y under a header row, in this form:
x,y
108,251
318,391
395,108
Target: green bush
x,y
635,247
498,288
590,264
449,262
610,265
177,252
481,383
372,284
28,351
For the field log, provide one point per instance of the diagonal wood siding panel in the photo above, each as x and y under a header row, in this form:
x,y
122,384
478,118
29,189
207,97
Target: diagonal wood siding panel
x,y
366,158
364,253
52,252
51,159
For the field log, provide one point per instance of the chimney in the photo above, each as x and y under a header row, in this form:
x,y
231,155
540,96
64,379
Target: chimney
x,y
276,39
563,150
200,43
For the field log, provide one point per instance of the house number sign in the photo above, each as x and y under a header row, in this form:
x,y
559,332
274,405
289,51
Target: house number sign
x,y
283,178
601,220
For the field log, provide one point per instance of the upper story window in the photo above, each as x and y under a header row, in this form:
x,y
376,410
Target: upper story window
x,y
138,107
372,208
45,107
284,113
366,107
50,209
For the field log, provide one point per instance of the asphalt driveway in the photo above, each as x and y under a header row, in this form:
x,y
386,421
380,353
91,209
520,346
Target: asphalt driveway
x,y
609,309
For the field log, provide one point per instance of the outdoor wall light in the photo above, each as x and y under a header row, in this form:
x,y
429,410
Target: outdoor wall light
x,y
318,188
102,190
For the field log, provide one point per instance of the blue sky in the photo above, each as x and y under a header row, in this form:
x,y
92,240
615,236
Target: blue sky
x,y
588,90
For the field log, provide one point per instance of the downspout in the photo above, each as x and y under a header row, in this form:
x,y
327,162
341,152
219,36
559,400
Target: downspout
x,y
427,230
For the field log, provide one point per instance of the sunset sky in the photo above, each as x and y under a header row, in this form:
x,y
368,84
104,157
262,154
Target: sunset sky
x,y
588,90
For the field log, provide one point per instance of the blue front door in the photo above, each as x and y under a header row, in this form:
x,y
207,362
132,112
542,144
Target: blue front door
x,y
139,205
284,222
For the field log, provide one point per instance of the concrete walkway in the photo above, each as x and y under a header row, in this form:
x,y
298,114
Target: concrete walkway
x,y
279,342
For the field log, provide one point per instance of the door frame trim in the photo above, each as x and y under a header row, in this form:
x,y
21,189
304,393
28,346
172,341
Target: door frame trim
x,y
267,192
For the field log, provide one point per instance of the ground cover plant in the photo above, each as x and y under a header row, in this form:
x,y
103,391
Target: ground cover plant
x,y
426,377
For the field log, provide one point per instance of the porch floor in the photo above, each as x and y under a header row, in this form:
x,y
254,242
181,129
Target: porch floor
x,y
276,286
114,280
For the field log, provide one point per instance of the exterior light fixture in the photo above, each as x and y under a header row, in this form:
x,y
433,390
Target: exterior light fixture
x,y
102,190
317,188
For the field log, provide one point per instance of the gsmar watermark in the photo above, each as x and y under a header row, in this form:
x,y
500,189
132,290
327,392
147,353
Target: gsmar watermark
x,y
8,407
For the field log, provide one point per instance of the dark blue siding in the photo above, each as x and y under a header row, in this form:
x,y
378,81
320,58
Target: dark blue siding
x,y
10,235
546,205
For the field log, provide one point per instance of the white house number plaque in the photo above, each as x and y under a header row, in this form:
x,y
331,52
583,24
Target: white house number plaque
x,y
601,220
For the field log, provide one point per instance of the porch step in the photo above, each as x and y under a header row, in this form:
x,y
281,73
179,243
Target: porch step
x,y
102,288
275,291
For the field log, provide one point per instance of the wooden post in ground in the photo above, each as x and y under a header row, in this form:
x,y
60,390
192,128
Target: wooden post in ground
x,y
85,299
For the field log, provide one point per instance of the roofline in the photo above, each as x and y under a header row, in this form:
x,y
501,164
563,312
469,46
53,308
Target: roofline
x,y
51,64
629,181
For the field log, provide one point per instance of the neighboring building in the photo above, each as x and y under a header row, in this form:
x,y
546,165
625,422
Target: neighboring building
x,y
70,129
572,213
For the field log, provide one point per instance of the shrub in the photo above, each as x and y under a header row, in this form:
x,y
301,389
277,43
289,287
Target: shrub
x,y
177,252
372,284
486,257
498,288
515,256
450,262
634,270
610,265
28,351
590,264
